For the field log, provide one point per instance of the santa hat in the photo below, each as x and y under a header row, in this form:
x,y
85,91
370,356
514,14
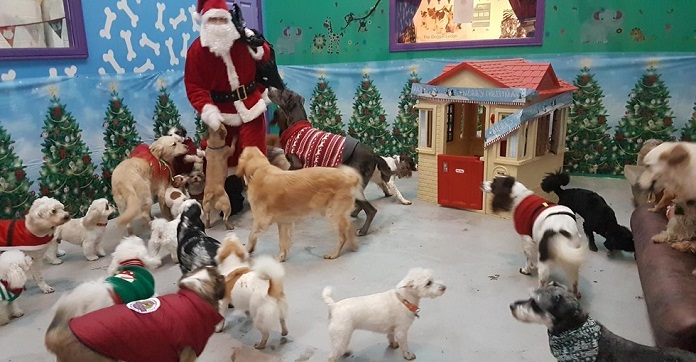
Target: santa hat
x,y
211,8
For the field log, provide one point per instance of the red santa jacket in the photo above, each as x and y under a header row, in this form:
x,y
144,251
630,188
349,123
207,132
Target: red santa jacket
x,y
154,329
179,164
14,234
205,72
314,147
160,169
527,212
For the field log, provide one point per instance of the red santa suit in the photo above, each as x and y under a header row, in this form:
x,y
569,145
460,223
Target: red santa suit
x,y
225,85
15,235
154,329
180,164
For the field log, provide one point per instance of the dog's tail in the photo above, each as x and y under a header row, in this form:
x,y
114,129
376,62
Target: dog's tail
x,y
327,294
132,208
53,333
553,181
356,181
557,245
268,268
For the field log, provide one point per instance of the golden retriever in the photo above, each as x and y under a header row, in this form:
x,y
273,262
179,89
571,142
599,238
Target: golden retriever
x,y
284,197
214,195
145,174
671,166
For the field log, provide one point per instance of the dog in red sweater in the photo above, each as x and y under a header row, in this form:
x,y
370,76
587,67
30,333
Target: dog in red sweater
x,y
172,327
549,232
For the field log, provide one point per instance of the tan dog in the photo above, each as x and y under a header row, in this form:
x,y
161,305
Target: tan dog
x,y
164,328
176,194
671,166
284,197
666,198
145,174
214,195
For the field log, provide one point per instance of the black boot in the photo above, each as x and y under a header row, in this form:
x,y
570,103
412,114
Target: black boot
x,y
234,187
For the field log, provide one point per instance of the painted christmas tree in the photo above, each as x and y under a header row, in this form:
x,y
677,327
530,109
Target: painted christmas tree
x,y
648,115
120,137
688,133
201,129
587,137
166,114
15,197
369,121
67,172
323,110
405,128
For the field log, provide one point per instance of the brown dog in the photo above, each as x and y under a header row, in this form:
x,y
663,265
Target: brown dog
x,y
165,328
214,195
284,197
145,174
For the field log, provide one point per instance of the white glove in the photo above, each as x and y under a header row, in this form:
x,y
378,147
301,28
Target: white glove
x,y
212,117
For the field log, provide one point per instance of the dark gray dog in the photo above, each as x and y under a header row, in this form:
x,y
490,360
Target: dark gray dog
x,y
354,154
573,336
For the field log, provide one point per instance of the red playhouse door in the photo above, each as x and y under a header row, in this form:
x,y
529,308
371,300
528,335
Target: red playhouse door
x,y
459,182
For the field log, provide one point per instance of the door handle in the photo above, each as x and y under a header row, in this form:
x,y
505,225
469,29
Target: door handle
x,y
444,167
459,170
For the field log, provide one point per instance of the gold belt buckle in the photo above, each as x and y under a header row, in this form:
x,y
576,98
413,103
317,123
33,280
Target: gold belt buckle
x,y
239,94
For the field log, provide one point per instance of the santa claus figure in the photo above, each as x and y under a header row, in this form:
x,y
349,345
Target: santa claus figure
x,y
220,75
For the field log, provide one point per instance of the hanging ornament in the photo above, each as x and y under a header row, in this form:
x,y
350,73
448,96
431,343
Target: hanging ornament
x,y
44,134
44,191
117,105
667,121
366,84
56,112
585,79
651,80
115,121
63,153
382,118
163,99
86,159
601,120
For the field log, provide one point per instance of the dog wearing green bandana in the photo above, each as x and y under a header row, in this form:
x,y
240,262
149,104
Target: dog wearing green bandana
x,y
128,279
14,266
574,336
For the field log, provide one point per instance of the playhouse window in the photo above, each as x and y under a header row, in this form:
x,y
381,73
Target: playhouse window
x,y
425,128
450,122
556,131
543,138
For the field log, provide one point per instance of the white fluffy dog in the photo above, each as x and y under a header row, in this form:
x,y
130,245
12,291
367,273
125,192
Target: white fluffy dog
x,y
391,312
163,236
549,232
127,280
86,231
33,234
256,287
14,266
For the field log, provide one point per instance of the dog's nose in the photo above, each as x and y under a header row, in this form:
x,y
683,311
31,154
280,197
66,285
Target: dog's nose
x,y
66,217
443,288
512,306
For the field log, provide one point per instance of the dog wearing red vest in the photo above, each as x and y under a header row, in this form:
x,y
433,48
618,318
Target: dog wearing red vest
x,y
171,327
549,232
32,234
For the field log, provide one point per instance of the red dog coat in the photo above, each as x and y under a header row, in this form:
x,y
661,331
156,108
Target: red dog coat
x,y
160,169
314,147
527,212
154,329
14,235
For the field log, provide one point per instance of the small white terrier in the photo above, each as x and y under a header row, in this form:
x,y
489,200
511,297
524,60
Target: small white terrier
x,y
391,312
255,288
14,266
163,236
127,280
86,231
176,194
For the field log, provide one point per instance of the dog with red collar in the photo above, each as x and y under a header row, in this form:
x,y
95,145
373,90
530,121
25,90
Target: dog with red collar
x,y
33,234
549,232
172,327
14,265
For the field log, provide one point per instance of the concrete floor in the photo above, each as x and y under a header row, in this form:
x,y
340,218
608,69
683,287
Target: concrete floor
x,y
476,256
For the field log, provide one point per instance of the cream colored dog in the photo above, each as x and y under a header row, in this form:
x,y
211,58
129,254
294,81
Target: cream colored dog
x,y
214,195
671,166
391,312
86,231
14,266
253,286
33,234
147,173
284,197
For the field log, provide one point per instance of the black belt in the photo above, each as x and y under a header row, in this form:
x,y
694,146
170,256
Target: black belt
x,y
562,213
10,232
238,94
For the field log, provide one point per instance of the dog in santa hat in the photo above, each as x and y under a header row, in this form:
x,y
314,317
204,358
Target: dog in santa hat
x,y
221,81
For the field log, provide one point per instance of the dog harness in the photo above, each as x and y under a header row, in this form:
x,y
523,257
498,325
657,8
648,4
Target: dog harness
x,y
160,169
15,235
315,148
580,344
9,294
131,282
153,329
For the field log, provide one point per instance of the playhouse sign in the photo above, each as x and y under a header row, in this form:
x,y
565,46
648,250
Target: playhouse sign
x,y
474,95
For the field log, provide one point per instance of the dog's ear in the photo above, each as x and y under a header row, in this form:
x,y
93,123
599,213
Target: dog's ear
x,y
676,156
16,276
156,149
509,181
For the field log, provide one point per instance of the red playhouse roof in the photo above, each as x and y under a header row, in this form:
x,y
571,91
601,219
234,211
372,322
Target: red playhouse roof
x,y
512,73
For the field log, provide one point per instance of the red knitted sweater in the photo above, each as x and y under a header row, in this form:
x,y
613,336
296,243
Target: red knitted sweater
x,y
527,212
314,147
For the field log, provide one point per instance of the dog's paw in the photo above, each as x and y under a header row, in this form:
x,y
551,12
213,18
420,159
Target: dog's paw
x,y
682,246
406,202
408,355
360,232
219,327
525,271
17,313
660,238
260,345
593,247
47,289
92,257
60,252
55,261
394,345
330,256
101,252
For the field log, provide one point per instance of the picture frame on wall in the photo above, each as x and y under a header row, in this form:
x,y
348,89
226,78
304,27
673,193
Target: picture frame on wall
x,y
457,24
48,29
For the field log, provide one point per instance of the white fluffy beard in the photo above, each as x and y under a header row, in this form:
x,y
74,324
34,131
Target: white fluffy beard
x,y
218,37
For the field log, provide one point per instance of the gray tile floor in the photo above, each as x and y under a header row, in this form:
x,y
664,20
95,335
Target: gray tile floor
x,y
476,256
